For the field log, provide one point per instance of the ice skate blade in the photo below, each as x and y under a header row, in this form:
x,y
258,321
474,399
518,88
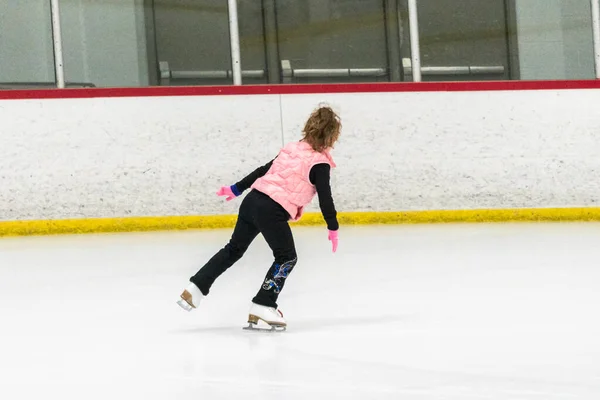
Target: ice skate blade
x,y
271,328
184,304
253,319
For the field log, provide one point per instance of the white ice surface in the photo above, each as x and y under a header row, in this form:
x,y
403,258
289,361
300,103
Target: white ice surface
x,y
430,312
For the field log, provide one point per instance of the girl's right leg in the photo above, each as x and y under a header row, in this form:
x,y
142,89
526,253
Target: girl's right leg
x,y
244,233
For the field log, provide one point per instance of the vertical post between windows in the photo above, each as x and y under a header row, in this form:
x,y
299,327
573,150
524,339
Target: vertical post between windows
x,y
413,20
596,30
234,36
57,44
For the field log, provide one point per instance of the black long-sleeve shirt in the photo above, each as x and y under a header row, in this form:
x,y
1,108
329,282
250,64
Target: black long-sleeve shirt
x,y
319,176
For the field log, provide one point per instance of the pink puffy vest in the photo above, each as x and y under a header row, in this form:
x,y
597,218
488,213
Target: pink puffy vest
x,y
287,181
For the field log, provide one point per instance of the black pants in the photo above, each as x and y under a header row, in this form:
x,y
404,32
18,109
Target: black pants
x,y
258,214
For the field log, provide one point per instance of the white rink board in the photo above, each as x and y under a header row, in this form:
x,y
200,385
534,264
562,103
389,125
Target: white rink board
x,y
462,150
78,158
110,157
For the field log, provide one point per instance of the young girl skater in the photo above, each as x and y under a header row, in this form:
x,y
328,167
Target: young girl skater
x,y
280,191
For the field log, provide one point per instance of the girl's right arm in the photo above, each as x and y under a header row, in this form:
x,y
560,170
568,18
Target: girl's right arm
x,y
320,176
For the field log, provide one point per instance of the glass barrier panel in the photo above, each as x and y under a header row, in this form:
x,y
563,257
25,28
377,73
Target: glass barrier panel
x,y
461,40
555,39
26,50
124,43
323,41
192,42
253,37
470,40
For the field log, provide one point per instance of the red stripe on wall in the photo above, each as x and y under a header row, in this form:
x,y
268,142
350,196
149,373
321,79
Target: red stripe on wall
x,y
162,91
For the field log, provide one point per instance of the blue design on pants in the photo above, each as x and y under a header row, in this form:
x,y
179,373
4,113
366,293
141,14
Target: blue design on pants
x,y
280,273
271,284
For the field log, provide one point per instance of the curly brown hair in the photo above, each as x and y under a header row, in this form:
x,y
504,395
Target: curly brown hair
x,y
322,129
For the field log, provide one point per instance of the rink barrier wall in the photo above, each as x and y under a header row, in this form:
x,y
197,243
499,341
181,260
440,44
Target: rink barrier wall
x,y
96,160
144,224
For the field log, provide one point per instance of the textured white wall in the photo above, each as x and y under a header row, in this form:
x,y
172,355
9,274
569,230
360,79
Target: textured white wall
x,y
123,156
462,150
399,151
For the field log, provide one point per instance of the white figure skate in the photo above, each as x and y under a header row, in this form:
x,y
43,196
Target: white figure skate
x,y
190,298
271,316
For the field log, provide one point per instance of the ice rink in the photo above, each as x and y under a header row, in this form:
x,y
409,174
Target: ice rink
x,y
415,312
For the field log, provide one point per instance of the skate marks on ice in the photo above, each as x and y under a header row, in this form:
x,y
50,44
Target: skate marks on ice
x,y
365,363
332,324
304,325
401,379
503,312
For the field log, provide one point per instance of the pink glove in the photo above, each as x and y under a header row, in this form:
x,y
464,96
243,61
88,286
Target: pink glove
x,y
226,191
333,236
